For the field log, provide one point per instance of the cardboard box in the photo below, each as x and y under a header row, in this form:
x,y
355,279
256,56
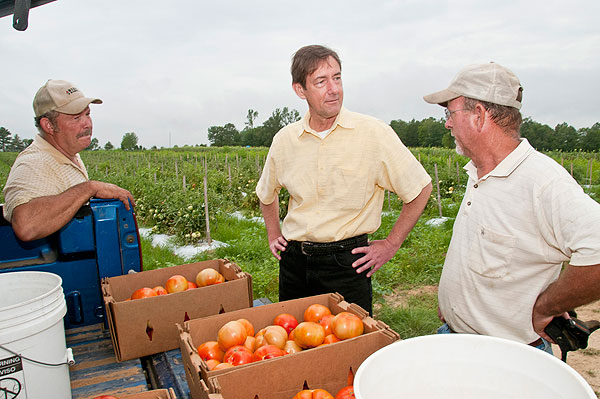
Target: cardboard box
x,y
154,394
143,327
323,367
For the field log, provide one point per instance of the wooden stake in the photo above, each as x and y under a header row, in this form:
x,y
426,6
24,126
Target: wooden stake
x,y
437,182
206,204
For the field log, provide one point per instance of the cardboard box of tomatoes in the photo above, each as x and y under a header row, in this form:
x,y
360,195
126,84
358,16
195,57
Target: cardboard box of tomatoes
x,y
142,327
281,377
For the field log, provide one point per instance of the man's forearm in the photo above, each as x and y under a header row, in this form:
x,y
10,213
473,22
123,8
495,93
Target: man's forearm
x,y
271,215
576,286
43,216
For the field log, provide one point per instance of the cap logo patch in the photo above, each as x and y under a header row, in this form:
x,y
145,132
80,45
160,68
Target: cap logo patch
x,y
71,90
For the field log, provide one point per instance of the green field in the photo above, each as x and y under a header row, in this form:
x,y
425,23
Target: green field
x,y
169,189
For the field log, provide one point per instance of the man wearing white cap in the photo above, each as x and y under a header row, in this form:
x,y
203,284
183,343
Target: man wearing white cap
x,y
48,182
522,216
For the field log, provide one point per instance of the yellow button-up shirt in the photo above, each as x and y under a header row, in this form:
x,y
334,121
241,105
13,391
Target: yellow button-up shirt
x,y
337,183
40,170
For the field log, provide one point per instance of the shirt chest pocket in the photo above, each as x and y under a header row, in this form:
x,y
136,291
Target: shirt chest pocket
x,y
490,253
349,187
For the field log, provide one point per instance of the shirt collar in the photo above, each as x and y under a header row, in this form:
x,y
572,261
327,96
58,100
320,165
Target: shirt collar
x,y
45,146
508,164
344,120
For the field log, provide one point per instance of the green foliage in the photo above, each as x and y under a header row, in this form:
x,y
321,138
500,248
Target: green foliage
x,y
129,142
418,317
253,136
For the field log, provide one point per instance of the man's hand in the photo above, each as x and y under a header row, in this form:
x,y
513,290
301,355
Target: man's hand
x,y
540,322
112,191
277,245
376,255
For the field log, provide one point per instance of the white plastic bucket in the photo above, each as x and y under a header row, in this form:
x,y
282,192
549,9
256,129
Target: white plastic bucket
x,y
468,367
32,307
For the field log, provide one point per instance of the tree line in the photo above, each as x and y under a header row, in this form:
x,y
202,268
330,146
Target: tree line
x,y
429,132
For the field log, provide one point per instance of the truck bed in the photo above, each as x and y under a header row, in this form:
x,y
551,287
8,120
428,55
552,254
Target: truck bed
x,y
96,371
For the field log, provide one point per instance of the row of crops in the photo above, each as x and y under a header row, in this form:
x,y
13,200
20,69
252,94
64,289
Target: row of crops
x,y
175,190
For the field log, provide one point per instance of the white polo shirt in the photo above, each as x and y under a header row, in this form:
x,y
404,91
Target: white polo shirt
x,y
40,170
515,227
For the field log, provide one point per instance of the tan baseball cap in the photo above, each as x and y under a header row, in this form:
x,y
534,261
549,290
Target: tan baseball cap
x,y
60,96
489,82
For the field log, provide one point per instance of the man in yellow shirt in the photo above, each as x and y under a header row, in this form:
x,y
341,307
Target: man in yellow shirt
x,y
48,182
336,166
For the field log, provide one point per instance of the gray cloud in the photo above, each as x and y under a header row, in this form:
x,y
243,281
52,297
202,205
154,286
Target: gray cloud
x,y
177,68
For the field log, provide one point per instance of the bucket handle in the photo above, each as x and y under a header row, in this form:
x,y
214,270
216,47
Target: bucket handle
x,y
70,360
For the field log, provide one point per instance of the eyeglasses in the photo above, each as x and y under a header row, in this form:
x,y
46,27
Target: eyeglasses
x,y
449,113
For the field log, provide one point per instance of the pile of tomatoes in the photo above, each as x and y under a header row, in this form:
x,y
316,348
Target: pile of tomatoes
x,y
237,343
178,283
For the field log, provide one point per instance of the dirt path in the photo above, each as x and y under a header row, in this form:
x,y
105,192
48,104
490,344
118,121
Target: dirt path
x,y
587,361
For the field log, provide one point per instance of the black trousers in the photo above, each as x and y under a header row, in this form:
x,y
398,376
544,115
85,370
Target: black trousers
x,y
301,276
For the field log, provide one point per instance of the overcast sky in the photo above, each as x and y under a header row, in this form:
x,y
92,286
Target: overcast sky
x,y
168,70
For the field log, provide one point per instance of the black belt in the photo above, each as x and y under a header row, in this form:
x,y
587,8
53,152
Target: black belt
x,y
309,248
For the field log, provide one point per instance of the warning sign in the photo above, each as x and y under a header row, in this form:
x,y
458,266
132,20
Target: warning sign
x,y
12,379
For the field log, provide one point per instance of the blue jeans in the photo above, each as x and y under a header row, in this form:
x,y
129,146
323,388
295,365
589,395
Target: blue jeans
x,y
545,345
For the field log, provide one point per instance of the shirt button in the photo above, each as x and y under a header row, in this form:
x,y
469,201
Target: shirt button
x,y
476,185
469,203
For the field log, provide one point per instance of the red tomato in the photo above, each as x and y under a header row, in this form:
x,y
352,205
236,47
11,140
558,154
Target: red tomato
x,y
211,350
176,283
347,325
309,334
143,293
326,323
238,355
346,393
286,321
313,394
208,276
231,334
191,285
267,352
160,290
315,312
330,339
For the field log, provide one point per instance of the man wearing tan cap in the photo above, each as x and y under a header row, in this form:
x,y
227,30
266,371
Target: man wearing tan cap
x,y
522,216
48,182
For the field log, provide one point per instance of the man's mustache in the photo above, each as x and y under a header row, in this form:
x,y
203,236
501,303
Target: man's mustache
x,y
85,133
